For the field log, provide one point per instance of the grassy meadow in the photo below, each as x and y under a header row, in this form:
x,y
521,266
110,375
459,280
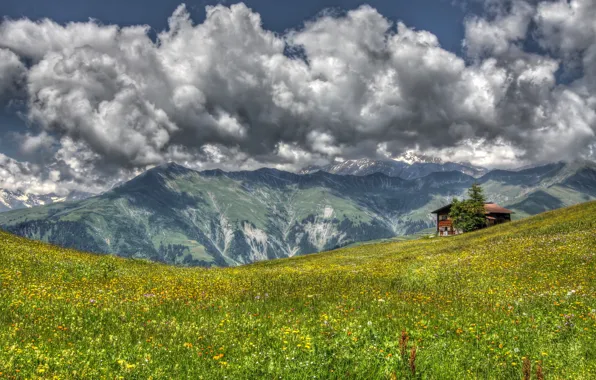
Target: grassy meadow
x,y
508,302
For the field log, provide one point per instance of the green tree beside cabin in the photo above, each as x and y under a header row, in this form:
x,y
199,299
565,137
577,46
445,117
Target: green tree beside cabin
x,y
468,215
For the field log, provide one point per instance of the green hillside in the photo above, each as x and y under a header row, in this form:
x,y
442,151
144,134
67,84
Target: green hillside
x,y
478,305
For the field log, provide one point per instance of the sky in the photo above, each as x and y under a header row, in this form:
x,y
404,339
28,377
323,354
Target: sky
x,y
95,92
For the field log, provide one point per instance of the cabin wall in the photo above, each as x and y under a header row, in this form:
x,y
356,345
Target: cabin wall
x,y
445,225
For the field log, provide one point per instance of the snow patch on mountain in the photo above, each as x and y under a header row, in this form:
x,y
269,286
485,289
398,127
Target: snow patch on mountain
x,y
407,166
412,157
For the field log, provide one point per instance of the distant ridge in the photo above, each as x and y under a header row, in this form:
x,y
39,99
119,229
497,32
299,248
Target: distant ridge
x,y
12,200
406,167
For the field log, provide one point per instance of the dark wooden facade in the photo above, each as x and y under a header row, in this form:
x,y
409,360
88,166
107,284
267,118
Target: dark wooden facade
x,y
495,214
444,222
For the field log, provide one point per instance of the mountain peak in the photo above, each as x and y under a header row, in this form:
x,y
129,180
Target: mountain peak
x,y
168,170
172,166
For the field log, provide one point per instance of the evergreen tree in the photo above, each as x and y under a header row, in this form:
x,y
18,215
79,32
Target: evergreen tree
x,y
468,215
476,197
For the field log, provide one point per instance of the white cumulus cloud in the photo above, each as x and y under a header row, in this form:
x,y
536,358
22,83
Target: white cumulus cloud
x,y
109,101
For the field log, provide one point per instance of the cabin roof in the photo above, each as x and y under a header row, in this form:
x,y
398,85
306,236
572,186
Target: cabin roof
x,y
489,208
441,209
493,208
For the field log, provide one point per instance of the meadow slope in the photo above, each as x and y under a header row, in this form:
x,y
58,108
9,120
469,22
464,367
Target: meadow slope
x,y
476,306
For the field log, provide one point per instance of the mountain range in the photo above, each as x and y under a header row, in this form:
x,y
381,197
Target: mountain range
x,y
410,165
407,166
214,218
13,200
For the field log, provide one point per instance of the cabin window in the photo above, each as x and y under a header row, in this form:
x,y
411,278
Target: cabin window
x,y
443,217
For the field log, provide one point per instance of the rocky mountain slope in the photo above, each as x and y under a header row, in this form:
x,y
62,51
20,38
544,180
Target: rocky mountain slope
x,y
176,215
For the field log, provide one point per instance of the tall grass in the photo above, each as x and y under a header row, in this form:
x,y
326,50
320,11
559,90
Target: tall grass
x,y
508,302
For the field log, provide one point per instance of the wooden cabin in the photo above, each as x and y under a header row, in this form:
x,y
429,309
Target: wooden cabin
x,y
495,214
